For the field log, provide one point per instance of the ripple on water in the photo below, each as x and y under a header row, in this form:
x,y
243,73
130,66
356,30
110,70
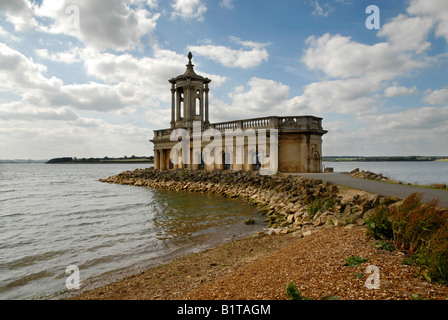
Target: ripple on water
x,y
60,215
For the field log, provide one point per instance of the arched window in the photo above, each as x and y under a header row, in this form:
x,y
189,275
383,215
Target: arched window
x,y
181,104
198,107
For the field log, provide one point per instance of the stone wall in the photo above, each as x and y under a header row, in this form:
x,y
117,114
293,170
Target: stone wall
x,y
290,203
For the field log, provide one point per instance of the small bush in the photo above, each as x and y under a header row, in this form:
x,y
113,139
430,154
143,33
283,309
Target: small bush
x,y
422,230
292,293
379,225
434,255
414,222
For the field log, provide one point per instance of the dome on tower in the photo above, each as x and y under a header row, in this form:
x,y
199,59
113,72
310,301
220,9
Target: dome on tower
x,y
189,73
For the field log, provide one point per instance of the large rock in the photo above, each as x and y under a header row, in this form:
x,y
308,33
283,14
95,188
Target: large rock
x,y
368,199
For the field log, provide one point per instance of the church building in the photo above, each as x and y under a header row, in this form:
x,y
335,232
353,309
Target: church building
x,y
290,144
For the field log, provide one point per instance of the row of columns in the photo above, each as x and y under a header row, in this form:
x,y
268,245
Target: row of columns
x,y
162,161
182,97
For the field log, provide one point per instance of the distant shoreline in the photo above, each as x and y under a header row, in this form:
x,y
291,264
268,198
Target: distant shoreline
x,y
150,159
383,158
100,162
105,160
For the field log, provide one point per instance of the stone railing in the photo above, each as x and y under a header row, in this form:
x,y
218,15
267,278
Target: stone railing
x,y
282,123
257,123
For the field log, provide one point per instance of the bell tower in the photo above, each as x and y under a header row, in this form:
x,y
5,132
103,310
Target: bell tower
x,y
189,98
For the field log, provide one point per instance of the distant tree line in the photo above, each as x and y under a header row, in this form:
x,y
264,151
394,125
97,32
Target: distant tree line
x,y
382,158
102,160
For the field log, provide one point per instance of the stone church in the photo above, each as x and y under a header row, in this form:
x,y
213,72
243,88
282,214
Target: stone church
x,y
290,144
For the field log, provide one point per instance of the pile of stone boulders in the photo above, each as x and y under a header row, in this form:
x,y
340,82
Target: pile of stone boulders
x,y
439,185
290,203
368,175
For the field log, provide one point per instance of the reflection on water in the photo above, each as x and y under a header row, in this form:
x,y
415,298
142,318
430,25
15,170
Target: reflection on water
x,y
53,216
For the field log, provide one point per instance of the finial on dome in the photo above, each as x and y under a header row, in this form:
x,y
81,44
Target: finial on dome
x,y
190,56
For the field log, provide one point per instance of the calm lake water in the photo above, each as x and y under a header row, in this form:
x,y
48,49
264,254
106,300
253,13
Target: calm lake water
x,y
416,172
54,216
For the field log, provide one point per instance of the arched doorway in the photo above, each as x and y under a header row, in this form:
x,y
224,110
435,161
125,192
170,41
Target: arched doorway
x,y
201,161
256,164
226,161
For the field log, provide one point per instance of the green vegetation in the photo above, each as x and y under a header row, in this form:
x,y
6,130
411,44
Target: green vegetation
x,y
292,293
382,158
385,246
354,261
379,225
320,204
125,159
418,228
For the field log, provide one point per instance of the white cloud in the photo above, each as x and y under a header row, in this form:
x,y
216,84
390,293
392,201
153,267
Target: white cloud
x,y
344,96
140,81
436,97
408,33
69,57
86,137
321,11
263,96
436,10
228,4
252,54
103,24
414,119
414,131
189,9
19,111
340,57
20,74
258,98
397,91
19,13
153,4
129,82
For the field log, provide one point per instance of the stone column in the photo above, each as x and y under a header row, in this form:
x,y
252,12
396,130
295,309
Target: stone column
x,y
156,159
178,102
173,107
187,103
162,160
206,90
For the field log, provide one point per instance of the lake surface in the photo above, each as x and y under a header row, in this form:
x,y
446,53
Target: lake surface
x,y
54,216
415,172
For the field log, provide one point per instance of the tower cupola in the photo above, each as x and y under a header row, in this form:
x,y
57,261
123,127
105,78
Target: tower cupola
x,y
189,98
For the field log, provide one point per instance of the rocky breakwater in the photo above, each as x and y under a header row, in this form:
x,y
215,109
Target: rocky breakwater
x,y
290,203
368,175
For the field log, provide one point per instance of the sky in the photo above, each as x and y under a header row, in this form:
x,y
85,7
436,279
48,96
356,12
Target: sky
x,y
82,78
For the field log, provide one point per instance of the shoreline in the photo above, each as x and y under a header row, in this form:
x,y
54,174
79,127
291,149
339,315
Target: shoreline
x,y
104,279
259,267
204,275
